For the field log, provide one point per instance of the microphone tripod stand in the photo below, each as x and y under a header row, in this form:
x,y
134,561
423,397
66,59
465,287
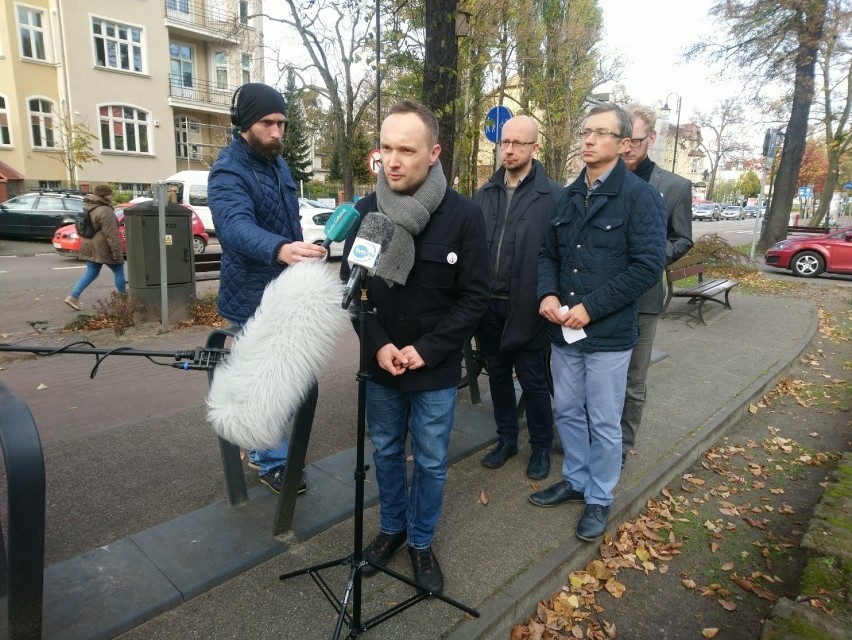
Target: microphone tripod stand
x,y
356,560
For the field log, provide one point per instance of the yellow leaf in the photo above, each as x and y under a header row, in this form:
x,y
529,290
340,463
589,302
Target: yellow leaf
x,y
574,601
615,587
599,570
41,387
752,408
642,554
688,583
709,632
576,579
714,547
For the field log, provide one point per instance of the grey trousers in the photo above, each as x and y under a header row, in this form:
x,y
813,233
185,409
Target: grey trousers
x,y
637,371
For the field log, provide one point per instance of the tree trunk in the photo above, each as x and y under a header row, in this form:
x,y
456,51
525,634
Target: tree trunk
x,y
811,30
440,80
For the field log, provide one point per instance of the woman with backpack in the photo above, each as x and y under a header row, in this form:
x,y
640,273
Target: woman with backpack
x,y
103,248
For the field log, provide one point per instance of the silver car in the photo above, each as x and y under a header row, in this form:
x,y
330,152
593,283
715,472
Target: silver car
x,y
733,212
709,211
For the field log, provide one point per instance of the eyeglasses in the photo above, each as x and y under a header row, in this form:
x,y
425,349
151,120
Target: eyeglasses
x,y
635,142
598,133
505,144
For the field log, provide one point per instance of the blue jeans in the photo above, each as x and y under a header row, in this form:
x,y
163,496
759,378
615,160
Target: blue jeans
x,y
273,458
588,391
428,417
530,368
93,269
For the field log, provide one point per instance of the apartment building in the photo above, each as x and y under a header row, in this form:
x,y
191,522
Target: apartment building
x,y
151,80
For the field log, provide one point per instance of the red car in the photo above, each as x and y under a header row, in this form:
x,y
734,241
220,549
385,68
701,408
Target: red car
x,y
67,242
808,257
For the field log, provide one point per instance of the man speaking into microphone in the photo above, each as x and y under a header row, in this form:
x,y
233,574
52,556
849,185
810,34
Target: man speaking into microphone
x,y
255,208
429,291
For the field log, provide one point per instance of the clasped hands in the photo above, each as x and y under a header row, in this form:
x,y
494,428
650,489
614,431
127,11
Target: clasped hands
x,y
294,252
575,318
397,361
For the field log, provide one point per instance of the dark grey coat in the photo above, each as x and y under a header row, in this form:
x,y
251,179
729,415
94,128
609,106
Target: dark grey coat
x,y
527,221
677,194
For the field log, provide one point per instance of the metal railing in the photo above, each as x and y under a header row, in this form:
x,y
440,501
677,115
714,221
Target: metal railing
x,y
22,563
198,91
201,14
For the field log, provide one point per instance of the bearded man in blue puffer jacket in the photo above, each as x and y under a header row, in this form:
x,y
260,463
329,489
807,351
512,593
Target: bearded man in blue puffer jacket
x,y
256,214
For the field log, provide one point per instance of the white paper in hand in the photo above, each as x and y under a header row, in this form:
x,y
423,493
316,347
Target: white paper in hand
x,y
571,335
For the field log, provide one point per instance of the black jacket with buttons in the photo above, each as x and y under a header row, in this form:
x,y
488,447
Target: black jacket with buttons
x,y
441,303
604,249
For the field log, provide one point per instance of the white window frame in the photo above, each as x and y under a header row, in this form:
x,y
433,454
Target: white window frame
x,y
245,67
191,92
4,111
20,27
192,145
217,67
42,124
110,120
118,42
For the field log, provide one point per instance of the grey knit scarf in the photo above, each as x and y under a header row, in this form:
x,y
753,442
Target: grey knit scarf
x,y
410,214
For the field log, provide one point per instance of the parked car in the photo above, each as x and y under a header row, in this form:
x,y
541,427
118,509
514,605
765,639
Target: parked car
x,y
707,211
39,214
733,212
751,211
67,243
313,227
808,257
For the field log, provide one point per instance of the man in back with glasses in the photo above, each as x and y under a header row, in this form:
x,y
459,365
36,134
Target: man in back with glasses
x,y
517,203
605,246
677,195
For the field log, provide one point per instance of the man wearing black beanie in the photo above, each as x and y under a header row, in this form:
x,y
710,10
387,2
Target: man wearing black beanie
x,y
256,215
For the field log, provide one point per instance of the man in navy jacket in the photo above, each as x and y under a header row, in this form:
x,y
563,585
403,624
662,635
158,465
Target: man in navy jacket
x,y
605,247
256,214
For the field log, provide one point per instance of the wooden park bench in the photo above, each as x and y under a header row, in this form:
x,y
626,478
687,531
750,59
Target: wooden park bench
x,y
698,294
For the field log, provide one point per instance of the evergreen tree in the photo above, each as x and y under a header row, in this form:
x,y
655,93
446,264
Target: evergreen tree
x,y
297,149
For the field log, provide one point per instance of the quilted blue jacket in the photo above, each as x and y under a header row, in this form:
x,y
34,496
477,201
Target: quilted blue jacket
x,y
604,249
255,211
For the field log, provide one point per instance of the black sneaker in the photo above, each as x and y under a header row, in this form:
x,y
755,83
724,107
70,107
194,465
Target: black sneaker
x,y
380,550
498,456
538,467
427,572
274,479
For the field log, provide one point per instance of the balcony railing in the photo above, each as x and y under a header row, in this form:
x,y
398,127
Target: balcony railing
x,y
198,91
203,15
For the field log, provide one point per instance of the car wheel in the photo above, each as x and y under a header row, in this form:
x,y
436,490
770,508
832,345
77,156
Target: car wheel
x,y
808,264
198,245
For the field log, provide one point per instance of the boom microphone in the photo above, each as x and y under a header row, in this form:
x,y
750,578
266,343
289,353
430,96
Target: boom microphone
x,y
373,237
340,224
272,364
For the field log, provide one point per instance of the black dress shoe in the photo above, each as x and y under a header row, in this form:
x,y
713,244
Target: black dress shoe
x,y
592,523
556,494
498,456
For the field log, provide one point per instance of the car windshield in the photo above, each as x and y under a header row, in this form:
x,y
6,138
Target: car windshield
x,y
704,207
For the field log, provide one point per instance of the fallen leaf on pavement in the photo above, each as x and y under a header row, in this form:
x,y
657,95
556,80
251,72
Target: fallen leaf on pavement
x,y
483,497
41,386
728,605
727,566
709,632
615,587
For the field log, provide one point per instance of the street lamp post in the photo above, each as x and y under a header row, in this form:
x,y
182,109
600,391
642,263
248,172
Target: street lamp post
x,y
666,110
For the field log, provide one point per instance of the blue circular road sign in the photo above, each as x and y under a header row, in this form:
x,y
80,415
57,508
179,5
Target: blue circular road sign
x,y
847,186
494,121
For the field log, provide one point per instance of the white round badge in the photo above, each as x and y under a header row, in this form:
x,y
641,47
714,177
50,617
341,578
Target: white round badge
x,y
452,258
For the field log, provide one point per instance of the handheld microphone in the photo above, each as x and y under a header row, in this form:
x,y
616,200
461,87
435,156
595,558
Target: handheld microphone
x,y
340,224
373,237
273,362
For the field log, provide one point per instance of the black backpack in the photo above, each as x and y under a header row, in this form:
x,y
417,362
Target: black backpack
x,y
85,228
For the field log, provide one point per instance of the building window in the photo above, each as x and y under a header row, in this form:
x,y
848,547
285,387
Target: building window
x,y
124,129
5,132
41,123
117,46
187,138
245,64
220,64
31,31
244,9
182,70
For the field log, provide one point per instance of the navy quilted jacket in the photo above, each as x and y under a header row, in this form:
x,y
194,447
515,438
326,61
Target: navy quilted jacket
x,y
604,249
255,211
